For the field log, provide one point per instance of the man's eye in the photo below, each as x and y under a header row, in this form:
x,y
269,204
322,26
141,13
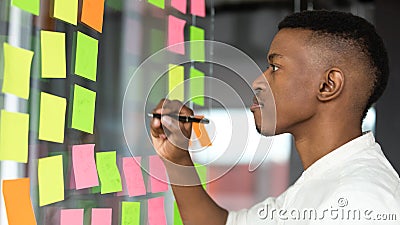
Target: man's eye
x,y
274,68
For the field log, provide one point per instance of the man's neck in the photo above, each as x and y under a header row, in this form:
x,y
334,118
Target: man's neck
x,y
315,140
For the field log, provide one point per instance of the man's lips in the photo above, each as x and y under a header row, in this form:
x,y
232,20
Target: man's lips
x,y
256,104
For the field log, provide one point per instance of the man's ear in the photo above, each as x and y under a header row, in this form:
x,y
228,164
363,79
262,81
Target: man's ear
x,y
331,84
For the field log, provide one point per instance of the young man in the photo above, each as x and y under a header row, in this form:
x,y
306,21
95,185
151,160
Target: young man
x,y
326,70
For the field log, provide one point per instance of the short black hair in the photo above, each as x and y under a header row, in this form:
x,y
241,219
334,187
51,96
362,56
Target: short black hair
x,y
348,27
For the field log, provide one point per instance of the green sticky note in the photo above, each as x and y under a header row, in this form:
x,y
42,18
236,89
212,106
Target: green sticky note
x,y
32,6
202,172
86,56
177,215
84,104
14,131
50,180
176,76
130,213
52,117
158,3
17,71
197,48
66,10
53,54
197,86
110,179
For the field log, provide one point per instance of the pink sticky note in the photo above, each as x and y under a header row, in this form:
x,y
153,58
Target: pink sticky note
x,y
179,5
84,166
133,176
155,210
198,8
158,175
176,35
71,217
101,216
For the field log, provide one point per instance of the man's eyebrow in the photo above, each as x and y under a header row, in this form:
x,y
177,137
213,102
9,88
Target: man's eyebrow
x,y
272,56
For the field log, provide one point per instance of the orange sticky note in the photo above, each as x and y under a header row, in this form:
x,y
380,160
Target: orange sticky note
x,y
18,202
201,134
92,14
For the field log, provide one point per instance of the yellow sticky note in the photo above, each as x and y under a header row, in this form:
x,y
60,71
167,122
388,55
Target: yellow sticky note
x,y
66,10
51,180
17,71
197,86
53,54
52,117
14,129
176,77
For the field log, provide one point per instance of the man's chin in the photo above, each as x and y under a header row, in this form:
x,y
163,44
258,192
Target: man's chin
x,y
264,133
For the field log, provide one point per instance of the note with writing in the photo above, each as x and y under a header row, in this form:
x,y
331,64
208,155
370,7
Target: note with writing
x,y
66,10
130,213
92,14
53,56
17,71
157,175
156,212
52,118
101,216
110,179
133,176
176,87
14,132
83,110
71,217
18,203
176,35
84,166
50,180
86,53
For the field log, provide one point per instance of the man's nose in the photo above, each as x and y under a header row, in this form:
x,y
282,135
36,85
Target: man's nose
x,y
257,83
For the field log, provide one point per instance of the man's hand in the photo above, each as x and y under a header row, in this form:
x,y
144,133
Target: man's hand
x,y
171,137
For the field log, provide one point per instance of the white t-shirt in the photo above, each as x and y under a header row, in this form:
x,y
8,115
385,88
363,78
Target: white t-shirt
x,y
354,184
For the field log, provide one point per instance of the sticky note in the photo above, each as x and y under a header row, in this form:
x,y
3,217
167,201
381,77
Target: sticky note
x,y
14,131
32,6
201,134
158,3
133,176
86,56
52,45
198,8
83,109
17,71
155,210
158,175
176,87
52,117
197,48
101,216
197,86
107,169
50,180
130,213
71,217
176,35
92,14
202,173
18,202
84,166
66,10
180,5
177,215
